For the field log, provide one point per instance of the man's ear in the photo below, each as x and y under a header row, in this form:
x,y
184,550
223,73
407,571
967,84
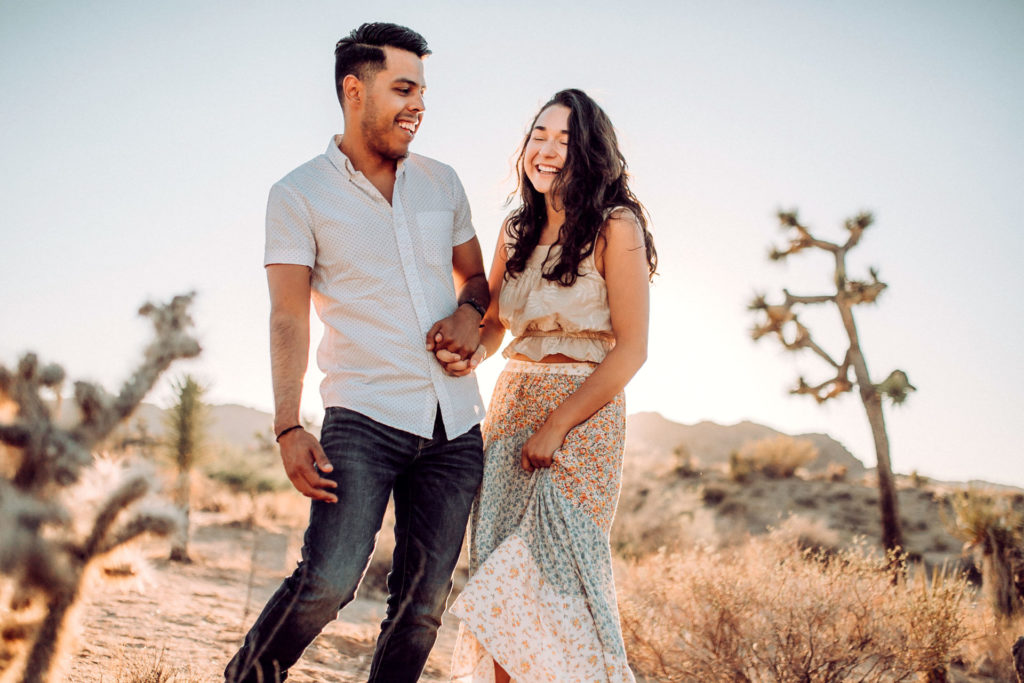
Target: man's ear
x,y
353,90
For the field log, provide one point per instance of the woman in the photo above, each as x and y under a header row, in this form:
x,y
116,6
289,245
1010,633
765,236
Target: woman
x,y
570,279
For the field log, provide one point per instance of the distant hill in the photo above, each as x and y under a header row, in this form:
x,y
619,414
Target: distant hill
x,y
652,435
229,424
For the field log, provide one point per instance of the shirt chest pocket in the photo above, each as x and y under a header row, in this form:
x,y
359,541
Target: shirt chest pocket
x,y
433,239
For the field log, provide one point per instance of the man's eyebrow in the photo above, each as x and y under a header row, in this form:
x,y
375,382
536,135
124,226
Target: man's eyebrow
x,y
540,127
409,81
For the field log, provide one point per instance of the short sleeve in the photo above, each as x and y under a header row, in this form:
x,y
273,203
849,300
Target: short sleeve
x,y
289,229
463,228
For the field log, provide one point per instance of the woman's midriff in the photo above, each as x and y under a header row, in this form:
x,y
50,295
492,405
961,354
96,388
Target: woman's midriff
x,y
551,358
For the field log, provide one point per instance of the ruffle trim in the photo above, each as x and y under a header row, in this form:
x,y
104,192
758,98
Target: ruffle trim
x,y
577,348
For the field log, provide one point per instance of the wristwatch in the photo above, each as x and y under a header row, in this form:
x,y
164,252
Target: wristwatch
x,y
476,307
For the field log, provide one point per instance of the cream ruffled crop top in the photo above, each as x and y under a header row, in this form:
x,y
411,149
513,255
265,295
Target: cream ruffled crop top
x,y
547,318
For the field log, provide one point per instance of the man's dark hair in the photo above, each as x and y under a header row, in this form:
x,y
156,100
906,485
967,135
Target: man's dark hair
x,y
360,53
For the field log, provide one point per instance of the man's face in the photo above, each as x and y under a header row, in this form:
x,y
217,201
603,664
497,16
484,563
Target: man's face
x,y
394,104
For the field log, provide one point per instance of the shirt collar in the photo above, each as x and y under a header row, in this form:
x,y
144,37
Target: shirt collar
x,y
344,164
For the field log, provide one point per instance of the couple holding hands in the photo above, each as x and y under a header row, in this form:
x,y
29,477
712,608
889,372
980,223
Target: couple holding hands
x,y
382,243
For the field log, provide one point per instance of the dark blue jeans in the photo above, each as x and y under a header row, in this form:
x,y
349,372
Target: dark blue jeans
x,y
433,481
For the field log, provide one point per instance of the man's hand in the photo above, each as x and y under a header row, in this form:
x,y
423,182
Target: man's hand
x,y
459,333
303,460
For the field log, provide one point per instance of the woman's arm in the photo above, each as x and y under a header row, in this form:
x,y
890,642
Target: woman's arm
x,y
492,331
626,275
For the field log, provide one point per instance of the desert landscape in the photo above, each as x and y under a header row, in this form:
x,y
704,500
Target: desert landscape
x,y
169,621
138,544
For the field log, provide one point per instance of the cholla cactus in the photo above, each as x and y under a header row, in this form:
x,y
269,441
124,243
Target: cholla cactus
x,y
782,320
45,552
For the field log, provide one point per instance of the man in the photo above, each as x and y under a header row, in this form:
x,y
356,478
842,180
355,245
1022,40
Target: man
x,y
381,240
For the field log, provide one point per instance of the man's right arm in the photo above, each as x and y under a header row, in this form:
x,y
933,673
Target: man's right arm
x,y
301,453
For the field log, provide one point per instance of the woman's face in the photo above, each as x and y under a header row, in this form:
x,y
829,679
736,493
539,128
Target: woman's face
x,y
547,147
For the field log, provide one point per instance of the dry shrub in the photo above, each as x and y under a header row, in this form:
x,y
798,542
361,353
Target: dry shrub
x,y
147,666
836,472
988,650
686,465
274,509
287,508
776,457
769,611
712,494
809,533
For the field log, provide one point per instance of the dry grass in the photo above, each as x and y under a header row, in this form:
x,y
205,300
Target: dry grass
x,y
269,509
777,457
770,611
149,666
987,650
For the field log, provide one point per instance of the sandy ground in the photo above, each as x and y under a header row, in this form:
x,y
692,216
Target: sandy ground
x,y
194,616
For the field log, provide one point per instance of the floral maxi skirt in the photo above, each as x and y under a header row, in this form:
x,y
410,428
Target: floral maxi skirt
x,y
541,595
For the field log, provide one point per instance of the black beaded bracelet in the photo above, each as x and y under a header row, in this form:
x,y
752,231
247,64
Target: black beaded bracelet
x,y
285,431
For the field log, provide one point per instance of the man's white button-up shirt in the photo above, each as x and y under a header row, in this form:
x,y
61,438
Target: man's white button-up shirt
x,y
382,276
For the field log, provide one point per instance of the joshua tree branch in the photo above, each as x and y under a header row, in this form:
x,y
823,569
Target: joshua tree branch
x,y
819,299
803,239
856,226
821,352
777,318
836,386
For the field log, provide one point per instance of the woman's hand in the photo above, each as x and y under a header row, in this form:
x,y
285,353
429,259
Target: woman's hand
x,y
539,449
457,366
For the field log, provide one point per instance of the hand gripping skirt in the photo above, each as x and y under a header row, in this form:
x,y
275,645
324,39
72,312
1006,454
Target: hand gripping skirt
x,y
541,595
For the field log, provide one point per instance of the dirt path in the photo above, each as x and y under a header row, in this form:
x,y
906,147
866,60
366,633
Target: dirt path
x,y
194,616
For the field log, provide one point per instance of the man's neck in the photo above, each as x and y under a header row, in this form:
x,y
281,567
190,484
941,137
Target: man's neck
x,y
379,170
365,160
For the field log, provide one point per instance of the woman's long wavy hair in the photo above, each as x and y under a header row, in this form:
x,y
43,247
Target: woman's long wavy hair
x,y
592,181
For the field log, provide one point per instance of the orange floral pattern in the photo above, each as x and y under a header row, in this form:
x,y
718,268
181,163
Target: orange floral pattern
x,y
541,599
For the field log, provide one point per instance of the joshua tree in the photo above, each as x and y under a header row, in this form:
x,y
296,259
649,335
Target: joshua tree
x,y
46,548
993,530
781,320
185,423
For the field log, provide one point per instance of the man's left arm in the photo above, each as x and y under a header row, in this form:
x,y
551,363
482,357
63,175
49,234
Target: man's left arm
x,y
460,331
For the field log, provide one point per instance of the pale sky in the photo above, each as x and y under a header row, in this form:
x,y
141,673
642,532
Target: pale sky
x,y
140,139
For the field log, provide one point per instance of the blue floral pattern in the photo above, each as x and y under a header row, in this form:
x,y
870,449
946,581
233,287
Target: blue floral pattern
x,y
541,597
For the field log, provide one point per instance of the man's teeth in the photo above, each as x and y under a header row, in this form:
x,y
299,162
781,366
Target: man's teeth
x,y
547,169
407,125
